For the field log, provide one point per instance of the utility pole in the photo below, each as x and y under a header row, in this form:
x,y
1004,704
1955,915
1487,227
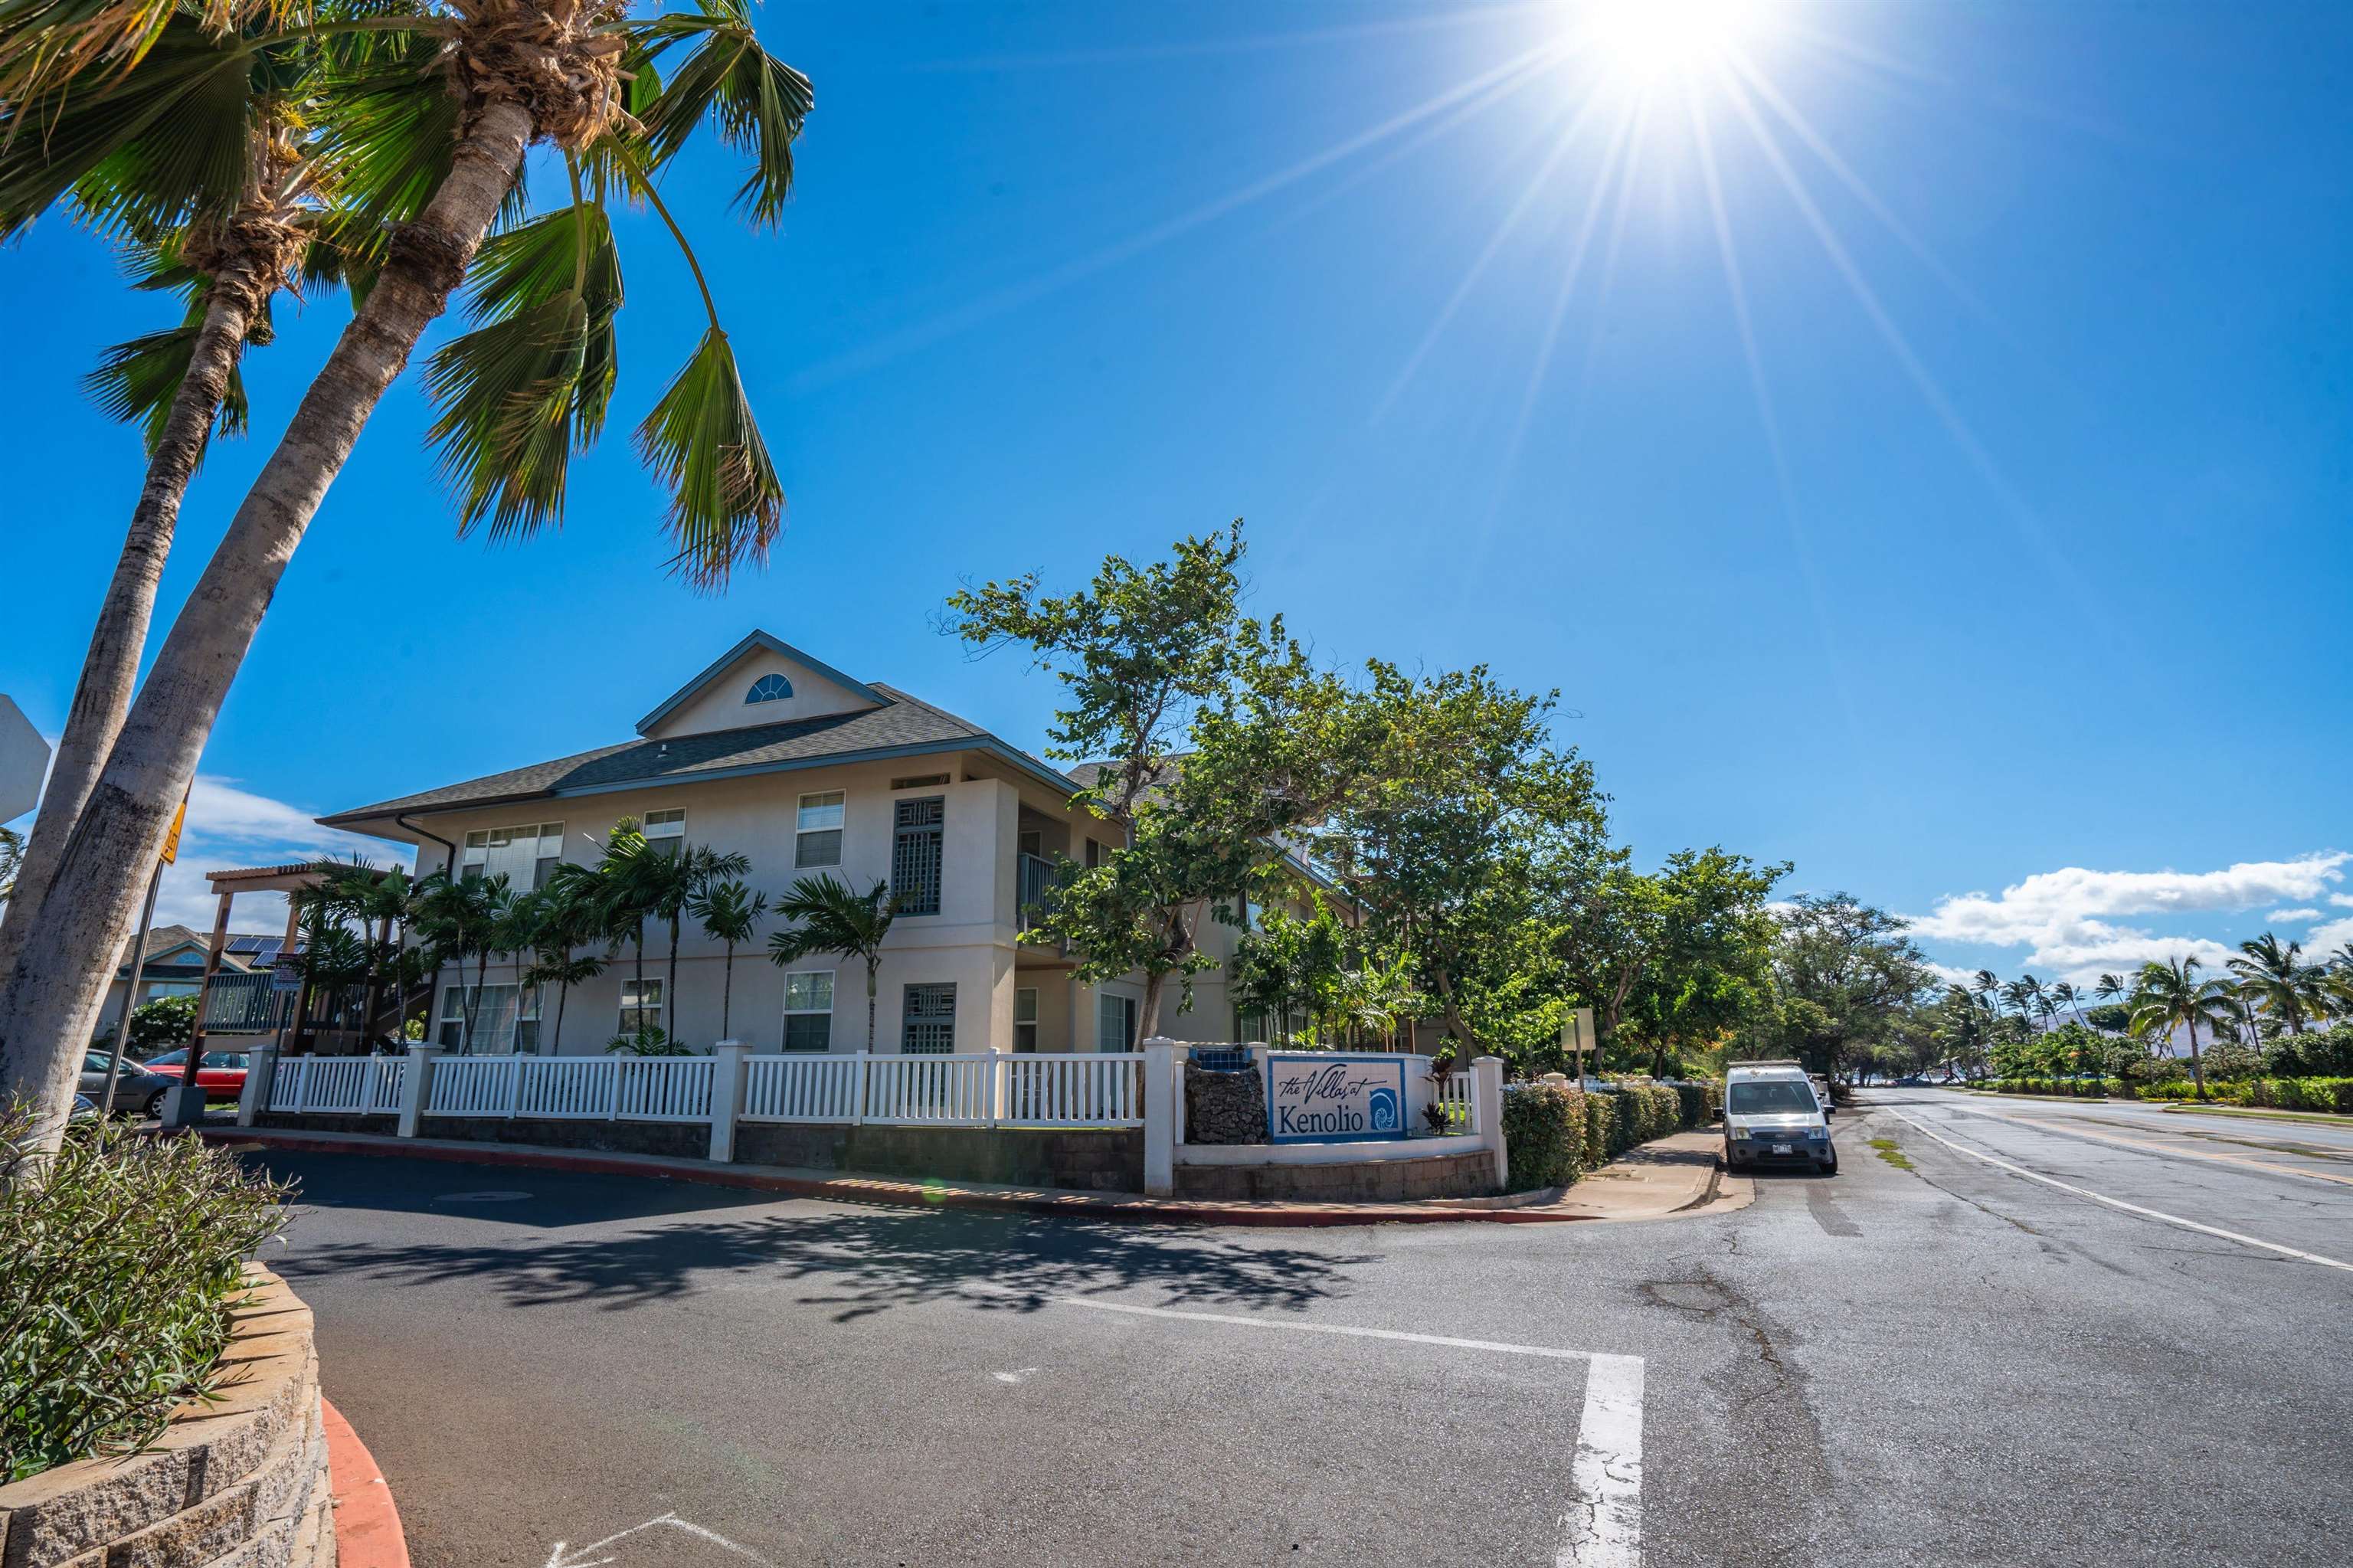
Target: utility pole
x,y
131,992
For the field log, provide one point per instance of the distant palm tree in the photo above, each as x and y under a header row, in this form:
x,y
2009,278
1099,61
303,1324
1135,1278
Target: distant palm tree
x,y
456,915
2018,996
831,918
730,912
2278,979
2170,996
2066,994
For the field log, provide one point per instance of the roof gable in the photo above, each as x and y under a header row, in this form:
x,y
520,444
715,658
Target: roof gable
x,y
761,682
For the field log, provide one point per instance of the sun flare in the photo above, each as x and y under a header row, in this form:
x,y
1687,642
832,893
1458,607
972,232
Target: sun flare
x,y
1646,40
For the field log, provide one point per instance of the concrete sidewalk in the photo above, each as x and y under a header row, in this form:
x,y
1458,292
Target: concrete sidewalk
x,y
1673,1175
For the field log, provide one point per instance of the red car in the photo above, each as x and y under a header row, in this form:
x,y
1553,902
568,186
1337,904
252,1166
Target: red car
x,y
221,1074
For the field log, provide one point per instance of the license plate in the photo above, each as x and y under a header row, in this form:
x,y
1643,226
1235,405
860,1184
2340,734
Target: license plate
x,y
1781,1148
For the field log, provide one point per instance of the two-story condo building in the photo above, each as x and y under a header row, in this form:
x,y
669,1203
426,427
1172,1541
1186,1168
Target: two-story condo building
x,y
804,770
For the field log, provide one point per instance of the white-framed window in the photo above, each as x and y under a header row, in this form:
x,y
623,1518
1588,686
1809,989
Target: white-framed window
x,y
1025,1018
524,854
1114,1022
665,830
769,688
809,1010
506,1020
927,1028
642,1005
817,837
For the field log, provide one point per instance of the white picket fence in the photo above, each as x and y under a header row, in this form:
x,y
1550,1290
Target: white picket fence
x,y
1452,1094
976,1090
572,1088
349,1086
980,1091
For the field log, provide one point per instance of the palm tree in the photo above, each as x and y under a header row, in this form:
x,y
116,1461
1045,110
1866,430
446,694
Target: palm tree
x,y
672,881
2280,981
2170,996
2020,994
456,915
728,912
454,96
831,918
569,917
201,155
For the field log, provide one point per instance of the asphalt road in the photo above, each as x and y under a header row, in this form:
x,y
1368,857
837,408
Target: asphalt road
x,y
1951,1364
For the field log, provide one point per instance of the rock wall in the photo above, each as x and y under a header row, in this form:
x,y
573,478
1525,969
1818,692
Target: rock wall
x,y
1223,1108
239,1482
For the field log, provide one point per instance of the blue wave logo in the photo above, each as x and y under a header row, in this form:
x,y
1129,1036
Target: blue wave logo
x,y
1381,1105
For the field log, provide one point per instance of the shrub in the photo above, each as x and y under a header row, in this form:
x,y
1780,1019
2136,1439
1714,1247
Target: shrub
x,y
155,1026
1696,1102
1544,1135
1601,1129
123,1258
2304,1094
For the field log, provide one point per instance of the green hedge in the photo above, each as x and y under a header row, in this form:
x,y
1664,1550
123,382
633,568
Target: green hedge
x,y
2333,1094
2075,1088
1544,1135
1601,1129
124,1256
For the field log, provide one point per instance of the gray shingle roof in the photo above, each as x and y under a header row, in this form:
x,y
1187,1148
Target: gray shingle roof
x,y
903,723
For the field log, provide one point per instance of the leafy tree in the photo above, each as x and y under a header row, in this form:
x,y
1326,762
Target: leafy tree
x,y
1674,960
729,913
444,104
459,918
2169,995
157,1026
1289,964
1842,972
1449,839
828,917
1218,738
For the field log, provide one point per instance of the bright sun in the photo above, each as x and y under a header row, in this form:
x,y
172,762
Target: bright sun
x,y
1645,41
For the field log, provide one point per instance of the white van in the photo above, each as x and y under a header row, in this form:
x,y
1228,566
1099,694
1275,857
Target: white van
x,y
1772,1117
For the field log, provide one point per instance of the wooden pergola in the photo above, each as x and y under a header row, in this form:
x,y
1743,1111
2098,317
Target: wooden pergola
x,y
293,880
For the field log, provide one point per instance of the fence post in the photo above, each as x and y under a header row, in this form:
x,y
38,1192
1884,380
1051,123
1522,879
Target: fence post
x,y
726,1098
415,1088
1159,1118
857,1091
996,1091
261,1077
1487,1114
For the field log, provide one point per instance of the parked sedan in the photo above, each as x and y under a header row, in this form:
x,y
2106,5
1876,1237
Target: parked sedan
x,y
221,1074
136,1090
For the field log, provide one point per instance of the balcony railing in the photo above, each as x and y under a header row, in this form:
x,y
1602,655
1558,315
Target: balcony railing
x,y
244,1003
1035,886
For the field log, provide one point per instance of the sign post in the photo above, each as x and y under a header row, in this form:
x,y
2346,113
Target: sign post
x,y
1575,1034
139,969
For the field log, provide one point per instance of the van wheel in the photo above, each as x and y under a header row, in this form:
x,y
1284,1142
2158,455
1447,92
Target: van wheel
x,y
1827,1167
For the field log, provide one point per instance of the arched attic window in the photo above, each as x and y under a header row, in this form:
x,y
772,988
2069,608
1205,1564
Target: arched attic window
x,y
769,688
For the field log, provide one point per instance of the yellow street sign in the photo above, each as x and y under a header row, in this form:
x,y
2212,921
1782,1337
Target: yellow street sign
x,y
171,840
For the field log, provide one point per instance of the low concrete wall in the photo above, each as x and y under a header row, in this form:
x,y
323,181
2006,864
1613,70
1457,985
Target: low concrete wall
x,y
1105,1159
1390,1181
237,1482
677,1140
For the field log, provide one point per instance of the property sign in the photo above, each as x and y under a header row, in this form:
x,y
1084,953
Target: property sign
x,y
1324,1098
285,975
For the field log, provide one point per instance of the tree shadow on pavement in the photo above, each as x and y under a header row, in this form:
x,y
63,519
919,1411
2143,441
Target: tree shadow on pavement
x,y
861,1263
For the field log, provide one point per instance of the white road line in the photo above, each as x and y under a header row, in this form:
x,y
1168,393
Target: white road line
x,y
1606,1529
1607,1471
2158,1215
577,1558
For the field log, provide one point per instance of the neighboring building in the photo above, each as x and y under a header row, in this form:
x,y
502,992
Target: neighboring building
x,y
804,770
175,966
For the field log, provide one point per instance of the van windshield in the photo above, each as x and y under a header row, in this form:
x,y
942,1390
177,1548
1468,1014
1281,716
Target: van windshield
x,y
1770,1096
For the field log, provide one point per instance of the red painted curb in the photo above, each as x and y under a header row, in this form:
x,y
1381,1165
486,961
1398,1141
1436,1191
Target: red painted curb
x,y
1132,1211
367,1522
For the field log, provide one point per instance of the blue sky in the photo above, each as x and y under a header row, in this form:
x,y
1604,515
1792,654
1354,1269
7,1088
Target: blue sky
x,y
1992,526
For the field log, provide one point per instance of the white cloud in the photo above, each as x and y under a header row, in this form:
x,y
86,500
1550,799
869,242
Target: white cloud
x,y
2322,940
2281,916
227,828
2342,900
2060,916
1952,974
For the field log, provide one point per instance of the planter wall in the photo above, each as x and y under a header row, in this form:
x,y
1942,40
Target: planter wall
x,y
239,1482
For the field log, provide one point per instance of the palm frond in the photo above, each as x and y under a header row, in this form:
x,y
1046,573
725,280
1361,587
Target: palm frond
x,y
140,152
757,102
136,381
702,441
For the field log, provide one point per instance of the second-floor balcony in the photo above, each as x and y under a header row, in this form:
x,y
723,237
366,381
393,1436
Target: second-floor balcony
x,y
1034,884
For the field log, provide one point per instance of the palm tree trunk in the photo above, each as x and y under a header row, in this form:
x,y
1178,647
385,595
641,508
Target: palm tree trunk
x,y
670,984
870,1002
52,997
727,994
563,994
2196,1068
109,670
